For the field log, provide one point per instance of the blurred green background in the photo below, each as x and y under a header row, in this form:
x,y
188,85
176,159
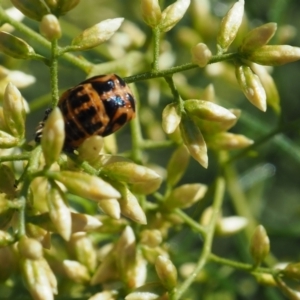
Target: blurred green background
x,y
270,175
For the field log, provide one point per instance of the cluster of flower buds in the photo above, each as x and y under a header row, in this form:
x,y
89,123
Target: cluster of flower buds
x,y
203,123
164,20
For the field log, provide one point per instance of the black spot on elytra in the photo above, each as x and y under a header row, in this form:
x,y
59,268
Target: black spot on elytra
x,y
92,128
103,86
112,104
72,131
77,101
131,100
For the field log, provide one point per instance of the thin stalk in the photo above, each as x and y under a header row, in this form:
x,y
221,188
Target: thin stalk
x,y
204,257
54,74
21,217
156,46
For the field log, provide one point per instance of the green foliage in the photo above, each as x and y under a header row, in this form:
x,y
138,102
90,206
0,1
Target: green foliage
x,y
120,217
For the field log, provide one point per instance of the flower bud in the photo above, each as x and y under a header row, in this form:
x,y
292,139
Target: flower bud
x,y
230,25
151,238
131,208
7,181
16,15
251,86
177,165
260,245
143,179
85,185
8,262
76,271
185,195
82,222
30,248
151,12
14,111
201,55
96,35
230,225
291,294
193,139
14,47
50,27
5,238
7,140
173,14
61,7
292,271
111,207
59,212
147,292
105,295
6,214
166,272
258,37
170,118
34,9
84,250
208,110
228,141
273,98
90,149
274,55
53,136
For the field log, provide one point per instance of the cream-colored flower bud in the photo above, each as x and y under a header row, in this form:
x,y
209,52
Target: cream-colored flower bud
x,y
170,118
31,9
260,245
82,222
258,37
86,186
143,179
97,34
76,271
7,181
53,136
7,140
111,207
166,272
30,248
265,279
186,195
43,264
15,47
151,12
273,98
251,86
287,291
50,27
230,25
193,139
151,238
205,218
292,270
230,225
61,7
6,214
84,249
21,80
105,295
149,291
228,141
131,208
209,93
5,238
90,149
173,14
274,55
201,55
36,279
208,110
59,212
14,111
177,165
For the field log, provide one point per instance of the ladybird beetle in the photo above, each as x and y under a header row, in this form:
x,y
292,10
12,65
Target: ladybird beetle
x,y
99,105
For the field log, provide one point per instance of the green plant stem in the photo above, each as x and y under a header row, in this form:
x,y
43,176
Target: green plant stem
x,y
217,203
137,140
21,217
15,157
181,68
156,46
189,221
80,63
241,266
175,93
54,73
